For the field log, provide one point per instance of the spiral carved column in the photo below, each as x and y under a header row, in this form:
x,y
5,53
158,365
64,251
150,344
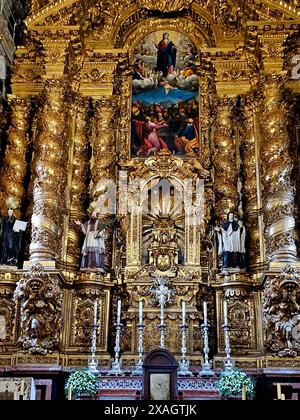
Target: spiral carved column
x,y
103,166
124,118
225,161
50,170
279,191
251,185
14,165
205,118
79,182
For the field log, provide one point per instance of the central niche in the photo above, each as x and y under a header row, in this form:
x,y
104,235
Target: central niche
x,y
165,96
163,225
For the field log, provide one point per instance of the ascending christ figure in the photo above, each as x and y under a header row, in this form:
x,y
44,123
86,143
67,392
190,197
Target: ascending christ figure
x,y
166,56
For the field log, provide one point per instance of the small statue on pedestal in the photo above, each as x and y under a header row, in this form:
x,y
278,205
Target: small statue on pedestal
x,y
10,237
232,238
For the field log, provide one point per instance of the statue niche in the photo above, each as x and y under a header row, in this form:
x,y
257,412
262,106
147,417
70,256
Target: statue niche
x,y
164,250
163,230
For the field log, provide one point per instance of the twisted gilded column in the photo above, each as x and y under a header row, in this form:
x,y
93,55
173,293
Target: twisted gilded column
x,y
205,118
79,161
103,165
278,164
225,160
251,190
50,174
14,165
124,114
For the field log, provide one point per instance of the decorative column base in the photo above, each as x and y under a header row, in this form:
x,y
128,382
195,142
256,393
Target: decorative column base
x,y
184,368
206,370
116,369
93,365
139,369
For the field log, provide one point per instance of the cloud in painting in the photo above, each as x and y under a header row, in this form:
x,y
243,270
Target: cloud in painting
x,y
190,83
144,84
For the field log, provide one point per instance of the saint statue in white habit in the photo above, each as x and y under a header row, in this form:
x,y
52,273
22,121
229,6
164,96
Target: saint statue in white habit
x,y
232,238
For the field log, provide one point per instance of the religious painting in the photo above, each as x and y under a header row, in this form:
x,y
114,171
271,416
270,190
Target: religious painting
x,y
165,96
160,387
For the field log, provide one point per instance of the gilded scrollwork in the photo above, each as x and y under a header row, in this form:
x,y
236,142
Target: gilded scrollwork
x,y
281,311
240,314
7,316
40,300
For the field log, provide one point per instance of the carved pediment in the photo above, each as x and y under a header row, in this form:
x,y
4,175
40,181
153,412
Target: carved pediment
x,y
72,12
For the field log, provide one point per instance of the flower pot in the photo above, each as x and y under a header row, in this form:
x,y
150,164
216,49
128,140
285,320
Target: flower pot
x,y
85,397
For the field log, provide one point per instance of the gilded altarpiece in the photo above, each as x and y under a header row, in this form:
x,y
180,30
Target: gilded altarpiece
x,y
179,108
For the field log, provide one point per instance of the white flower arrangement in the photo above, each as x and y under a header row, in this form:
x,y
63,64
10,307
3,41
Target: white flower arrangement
x,y
82,382
232,382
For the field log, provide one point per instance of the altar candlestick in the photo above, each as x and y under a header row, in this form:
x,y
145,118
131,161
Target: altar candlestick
x,y
279,391
95,313
70,393
141,313
244,393
183,313
22,387
205,313
119,312
225,312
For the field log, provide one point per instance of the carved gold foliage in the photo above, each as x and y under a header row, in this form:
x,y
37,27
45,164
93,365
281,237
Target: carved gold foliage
x,y
234,75
241,313
28,73
272,49
281,310
99,77
83,318
7,314
103,144
14,168
249,105
173,334
224,160
198,29
165,5
206,111
40,299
